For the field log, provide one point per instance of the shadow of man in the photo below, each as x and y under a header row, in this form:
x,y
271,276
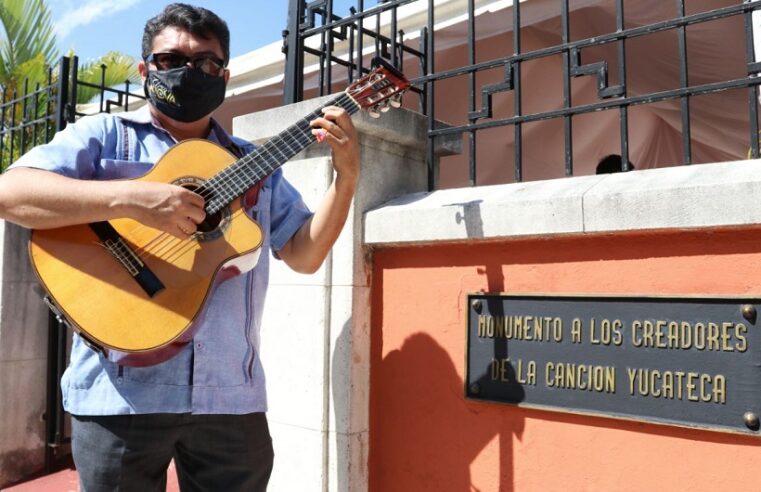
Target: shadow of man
x,y
425,434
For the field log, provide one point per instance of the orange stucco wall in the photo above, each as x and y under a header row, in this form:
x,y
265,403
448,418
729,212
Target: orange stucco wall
x,y
424,436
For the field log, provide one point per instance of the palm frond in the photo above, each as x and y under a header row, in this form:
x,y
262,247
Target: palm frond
x,y
111,70
27,35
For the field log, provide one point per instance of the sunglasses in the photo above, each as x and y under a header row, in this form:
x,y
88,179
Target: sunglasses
x,y
208,64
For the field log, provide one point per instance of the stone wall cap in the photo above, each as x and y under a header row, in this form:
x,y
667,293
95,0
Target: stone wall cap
x,y
698,196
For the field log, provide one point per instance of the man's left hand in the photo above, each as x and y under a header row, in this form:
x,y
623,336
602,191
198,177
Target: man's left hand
x,y
337,130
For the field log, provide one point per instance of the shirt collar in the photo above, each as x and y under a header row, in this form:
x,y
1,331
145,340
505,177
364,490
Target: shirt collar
x,y
143,116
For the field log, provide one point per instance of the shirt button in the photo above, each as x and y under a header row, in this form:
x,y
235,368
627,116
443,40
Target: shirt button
x,y
198,345
119,380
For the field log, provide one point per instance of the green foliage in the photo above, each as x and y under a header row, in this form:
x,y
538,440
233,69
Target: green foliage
x,y
27,54
111,70
27,43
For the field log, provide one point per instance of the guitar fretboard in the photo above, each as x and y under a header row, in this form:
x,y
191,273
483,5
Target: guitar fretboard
x,y
233,181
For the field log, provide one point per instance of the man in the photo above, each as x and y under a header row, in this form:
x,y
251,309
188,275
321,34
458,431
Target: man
x,y
205,406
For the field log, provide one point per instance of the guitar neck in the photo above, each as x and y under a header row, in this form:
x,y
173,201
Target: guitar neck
x,y
233,181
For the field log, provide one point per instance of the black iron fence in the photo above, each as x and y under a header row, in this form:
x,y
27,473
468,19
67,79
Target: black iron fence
x,y
31,117
340,44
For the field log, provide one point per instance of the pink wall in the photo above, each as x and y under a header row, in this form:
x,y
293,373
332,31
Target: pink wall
x,y
426,437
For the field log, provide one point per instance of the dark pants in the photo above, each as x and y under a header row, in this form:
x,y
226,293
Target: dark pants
x,y
211,452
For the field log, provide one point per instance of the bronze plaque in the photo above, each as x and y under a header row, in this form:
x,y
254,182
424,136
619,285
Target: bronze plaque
x,y
693,362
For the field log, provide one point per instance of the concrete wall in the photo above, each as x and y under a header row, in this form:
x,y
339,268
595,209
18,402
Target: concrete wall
x,y
693,230
315,340
23,360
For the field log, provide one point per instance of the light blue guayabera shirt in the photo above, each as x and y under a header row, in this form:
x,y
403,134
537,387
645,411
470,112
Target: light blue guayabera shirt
x,y
220,372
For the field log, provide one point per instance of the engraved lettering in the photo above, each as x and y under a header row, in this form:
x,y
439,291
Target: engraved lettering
x,y
677,385
742,342
576,330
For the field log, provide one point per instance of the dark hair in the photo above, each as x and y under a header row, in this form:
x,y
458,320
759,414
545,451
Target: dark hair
x,y
196,20
611,164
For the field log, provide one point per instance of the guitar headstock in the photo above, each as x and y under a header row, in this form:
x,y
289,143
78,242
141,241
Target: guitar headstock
x,y
380,89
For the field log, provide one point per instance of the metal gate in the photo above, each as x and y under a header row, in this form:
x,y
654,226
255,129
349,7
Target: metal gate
x,y
31,118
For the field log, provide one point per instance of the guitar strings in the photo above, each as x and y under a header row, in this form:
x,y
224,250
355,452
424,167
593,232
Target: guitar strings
x,y
234,175
165,239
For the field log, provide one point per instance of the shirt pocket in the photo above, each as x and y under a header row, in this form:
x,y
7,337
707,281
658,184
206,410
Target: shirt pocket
x,y
174,372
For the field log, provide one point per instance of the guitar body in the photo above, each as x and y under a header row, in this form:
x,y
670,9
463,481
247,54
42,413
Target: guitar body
x,y
101,298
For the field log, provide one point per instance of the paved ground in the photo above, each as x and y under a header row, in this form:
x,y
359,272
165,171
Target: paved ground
x,y
66,481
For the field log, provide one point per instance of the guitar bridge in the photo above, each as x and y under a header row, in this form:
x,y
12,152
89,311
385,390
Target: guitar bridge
x,y
123,253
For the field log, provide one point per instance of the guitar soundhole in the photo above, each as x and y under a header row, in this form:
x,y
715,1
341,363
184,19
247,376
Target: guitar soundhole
x,y
210,223
213,224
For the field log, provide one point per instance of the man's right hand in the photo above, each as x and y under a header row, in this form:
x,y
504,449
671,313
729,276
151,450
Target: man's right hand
x,y
167,207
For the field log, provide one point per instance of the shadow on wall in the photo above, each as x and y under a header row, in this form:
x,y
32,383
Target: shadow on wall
x,y
417,398
340,408
425,408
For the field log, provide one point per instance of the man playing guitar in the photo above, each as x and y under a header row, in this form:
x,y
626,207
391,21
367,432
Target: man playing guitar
x,y
204,406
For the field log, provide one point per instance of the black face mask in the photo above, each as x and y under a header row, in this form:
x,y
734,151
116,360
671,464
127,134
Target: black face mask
x,y
184,94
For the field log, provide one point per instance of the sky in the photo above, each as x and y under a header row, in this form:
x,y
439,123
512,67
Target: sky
x,y
94,27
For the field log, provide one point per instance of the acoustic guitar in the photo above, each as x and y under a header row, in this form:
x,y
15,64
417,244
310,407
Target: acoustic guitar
x,y
137,294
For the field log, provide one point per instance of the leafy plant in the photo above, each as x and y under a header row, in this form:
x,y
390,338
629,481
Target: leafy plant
x,y
28,78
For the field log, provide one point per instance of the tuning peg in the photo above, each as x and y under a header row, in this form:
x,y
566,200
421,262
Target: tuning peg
x,y
374,112
384,106
396,100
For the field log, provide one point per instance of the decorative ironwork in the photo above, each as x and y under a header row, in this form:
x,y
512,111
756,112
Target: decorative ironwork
x,y
489,90
601,69
359,24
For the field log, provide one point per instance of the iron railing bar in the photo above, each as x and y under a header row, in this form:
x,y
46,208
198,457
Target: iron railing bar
x,y
24,107
393,38
334,59
329,66
2,136
384,39
684,82
35,111
24,124
430,93
601,106
350,51
106,89
346,21
29,95
518,98
423,90
126,95
102,86
321,63
360,37
622,81
293,90
71,104
13,120
750,53
472,92
567,98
